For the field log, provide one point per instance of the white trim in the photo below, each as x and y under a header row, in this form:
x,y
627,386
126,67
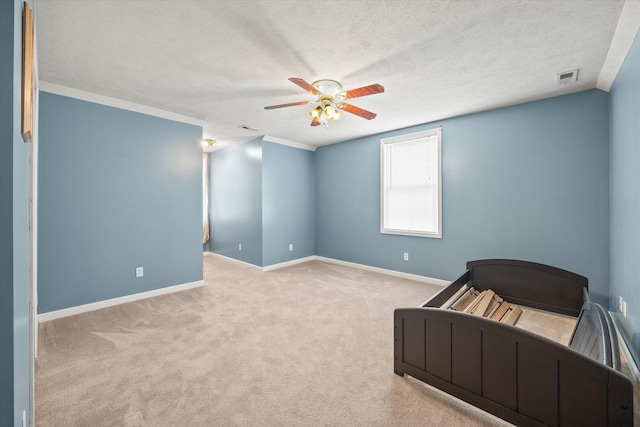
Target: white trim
x,y
33,291
289,143
235,261
387,142
257,267
71,311
289,263
409,276
625,33
117,103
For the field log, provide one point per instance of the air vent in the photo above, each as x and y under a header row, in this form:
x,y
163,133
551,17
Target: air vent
x,y
567,77
245,127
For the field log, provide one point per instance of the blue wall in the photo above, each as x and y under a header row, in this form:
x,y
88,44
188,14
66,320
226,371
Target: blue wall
x,y
7,33
527,182
15,357
262,196
235,209
288,208
625,195
117,190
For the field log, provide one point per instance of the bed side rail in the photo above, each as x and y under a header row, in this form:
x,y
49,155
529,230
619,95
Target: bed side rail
x,y
521,377
595,336
443,295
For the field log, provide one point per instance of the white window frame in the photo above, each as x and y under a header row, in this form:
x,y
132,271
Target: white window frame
x,y
383,177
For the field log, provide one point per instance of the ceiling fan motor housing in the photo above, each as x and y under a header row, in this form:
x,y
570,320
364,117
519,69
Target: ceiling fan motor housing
x,y
329,88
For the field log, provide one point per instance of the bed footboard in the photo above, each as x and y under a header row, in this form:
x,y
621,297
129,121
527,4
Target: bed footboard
x,y
518,376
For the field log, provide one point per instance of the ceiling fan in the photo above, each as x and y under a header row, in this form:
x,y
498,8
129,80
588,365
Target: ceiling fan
x,y
330,97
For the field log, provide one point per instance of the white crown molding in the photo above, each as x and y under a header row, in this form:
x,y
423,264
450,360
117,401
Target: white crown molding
x,y
71,311
625,33
114,102
289,143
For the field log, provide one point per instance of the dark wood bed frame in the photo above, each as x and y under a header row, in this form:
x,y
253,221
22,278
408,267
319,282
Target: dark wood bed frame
x,y
519,376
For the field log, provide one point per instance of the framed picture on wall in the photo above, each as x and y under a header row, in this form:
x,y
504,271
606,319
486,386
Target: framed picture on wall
x,y
27,73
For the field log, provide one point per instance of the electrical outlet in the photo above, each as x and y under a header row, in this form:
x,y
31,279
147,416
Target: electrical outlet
x,y
620,300
406,256
139,272
624,308
290,246
239,246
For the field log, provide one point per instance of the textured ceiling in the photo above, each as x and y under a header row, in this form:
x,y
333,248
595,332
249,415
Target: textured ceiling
x,y
223,61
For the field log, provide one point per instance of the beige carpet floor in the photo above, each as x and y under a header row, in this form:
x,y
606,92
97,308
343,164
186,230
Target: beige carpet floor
x,y
307,345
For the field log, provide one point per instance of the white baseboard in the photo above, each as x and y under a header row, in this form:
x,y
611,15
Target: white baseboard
x,y
289,263
395,273
409,276
233,260
266,268
65,312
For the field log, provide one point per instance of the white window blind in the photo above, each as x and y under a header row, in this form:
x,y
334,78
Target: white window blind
x,y
411,184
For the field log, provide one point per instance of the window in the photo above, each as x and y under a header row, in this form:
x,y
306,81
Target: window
x,y
411,193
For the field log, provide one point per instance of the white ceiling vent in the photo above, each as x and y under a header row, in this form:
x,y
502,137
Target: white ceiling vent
x,y
567,77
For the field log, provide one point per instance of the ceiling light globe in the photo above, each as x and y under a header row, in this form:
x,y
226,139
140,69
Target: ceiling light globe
x,y
329,111
315,113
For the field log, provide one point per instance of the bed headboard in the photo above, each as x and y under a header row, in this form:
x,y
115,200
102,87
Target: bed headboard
x,y
531,284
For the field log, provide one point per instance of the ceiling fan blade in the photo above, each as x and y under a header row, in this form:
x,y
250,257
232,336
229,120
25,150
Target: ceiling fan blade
x,y
364,91
304,85
291,104
314,122
357,111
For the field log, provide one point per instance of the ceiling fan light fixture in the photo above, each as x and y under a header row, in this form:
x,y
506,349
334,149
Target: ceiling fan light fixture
x,y
329,96
330,112
315,113
207,143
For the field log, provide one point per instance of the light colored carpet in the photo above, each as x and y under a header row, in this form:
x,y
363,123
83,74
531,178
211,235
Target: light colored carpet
x,y
308,345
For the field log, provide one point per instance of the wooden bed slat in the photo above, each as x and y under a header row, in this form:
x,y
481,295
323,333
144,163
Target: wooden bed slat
x,y
493,306
464,300
504,307
482,306
473,304
455,297
513,315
